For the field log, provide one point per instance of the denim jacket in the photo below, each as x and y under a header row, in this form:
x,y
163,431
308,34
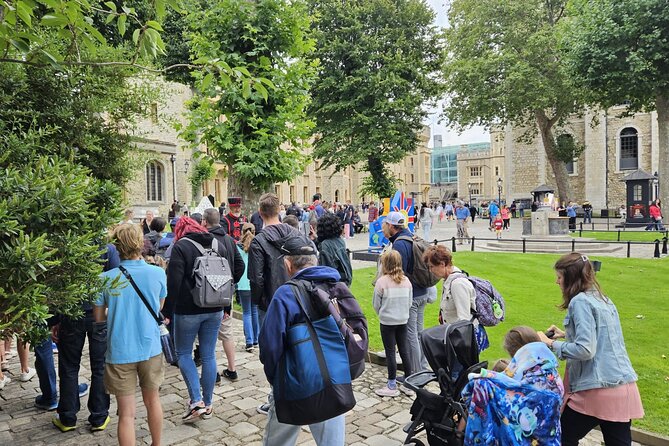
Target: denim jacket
x,y
595,348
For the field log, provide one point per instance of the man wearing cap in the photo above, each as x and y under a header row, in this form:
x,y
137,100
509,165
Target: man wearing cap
x,y
393,228
283,312
233,220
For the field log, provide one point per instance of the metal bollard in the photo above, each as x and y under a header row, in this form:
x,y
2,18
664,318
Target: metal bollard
x,y
453,248
629,248
618,234
436,242
573,245
664,245
524,248
656,254
474,238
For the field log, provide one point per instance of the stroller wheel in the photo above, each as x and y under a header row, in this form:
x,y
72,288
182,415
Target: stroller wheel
x,y
414,442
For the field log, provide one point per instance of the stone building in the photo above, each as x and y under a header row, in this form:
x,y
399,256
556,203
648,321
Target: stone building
x,y
164,163
614,147
445,172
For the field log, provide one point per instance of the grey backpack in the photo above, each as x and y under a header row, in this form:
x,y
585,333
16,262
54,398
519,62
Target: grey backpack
x,y
214,285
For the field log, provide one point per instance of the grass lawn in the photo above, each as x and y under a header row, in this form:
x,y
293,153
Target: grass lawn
x,y
527,282
633,236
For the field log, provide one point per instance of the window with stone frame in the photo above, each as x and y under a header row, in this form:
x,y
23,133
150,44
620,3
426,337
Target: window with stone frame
x,y
475,171
629,149
476,189
155,180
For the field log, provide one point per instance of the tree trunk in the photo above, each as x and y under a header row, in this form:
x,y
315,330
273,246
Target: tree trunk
x,y
559,168
382,185
238,187
662,107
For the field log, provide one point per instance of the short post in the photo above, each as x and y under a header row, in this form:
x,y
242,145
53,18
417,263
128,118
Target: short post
x,y
629,248
524,247
453,248
436,242
618,234
664,245
474,238
580,231
573,245
656,254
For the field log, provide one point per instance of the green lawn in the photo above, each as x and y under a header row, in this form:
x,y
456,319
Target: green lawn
x,y
633,236
527,282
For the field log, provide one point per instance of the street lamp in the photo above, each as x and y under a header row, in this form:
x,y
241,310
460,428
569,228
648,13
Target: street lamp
x,y
173,160
499,192
656,183
469,186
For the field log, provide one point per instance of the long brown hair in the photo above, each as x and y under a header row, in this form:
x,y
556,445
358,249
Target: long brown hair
x,y
248,232
578,276
391,265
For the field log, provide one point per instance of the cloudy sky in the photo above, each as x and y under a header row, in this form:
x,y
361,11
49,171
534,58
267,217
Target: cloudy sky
x,y
451,137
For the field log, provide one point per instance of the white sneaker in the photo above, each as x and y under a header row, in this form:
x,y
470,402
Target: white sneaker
x,y
27,376
387,391
4,381
193,414
407,391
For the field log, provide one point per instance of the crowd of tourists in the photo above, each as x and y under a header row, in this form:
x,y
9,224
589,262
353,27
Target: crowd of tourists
x,y
161,303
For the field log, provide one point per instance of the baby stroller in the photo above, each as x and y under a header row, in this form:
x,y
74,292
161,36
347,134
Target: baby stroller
x,y
452,353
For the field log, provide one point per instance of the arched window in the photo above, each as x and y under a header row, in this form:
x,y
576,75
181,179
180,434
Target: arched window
x,y
154,181
629,149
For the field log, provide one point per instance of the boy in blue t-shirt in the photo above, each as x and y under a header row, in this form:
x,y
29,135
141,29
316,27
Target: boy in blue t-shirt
x,y
133,336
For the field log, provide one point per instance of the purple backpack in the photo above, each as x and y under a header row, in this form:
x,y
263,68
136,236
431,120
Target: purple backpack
x,y
490,308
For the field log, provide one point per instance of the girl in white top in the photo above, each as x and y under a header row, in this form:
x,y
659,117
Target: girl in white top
x,y
393,296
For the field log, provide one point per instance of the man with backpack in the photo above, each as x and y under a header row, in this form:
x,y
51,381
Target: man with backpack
x,y
296,397
266,269
402,241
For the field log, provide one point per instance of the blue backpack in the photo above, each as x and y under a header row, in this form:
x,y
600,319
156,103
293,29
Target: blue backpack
x,y
313,381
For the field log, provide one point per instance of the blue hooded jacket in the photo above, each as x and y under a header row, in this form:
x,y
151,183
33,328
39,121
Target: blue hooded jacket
x,y
284,312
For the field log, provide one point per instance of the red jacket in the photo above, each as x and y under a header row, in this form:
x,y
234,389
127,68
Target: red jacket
x,y
655,212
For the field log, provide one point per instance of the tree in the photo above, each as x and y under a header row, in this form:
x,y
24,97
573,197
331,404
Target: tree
x,y
379,61
250,111
504,66
618,50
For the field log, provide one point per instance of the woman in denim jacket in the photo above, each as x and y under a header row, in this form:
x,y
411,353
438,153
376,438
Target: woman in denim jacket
x,y
600,383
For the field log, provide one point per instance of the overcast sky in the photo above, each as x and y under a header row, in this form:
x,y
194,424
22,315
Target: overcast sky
x,y
451,137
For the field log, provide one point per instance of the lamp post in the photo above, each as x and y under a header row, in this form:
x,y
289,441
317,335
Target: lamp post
x,y
499,192
656,183
173,160
469,186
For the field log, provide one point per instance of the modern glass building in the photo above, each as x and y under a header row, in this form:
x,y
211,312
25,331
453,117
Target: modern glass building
x,y
444,161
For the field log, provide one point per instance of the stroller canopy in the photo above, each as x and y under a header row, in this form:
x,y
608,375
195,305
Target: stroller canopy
x,y
451,347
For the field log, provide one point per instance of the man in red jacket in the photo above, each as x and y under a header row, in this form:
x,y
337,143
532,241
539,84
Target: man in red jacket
x,y
233,220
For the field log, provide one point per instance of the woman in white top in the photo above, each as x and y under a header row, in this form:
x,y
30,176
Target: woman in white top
x,y
458,298
426,216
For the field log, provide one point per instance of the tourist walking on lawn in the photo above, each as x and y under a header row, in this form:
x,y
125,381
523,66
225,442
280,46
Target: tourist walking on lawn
x,y
393,296
600,383
249,309
458,298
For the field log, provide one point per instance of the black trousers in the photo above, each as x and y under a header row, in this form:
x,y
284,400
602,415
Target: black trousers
x,y
392,335
576,425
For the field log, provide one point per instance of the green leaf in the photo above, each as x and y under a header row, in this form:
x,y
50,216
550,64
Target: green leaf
x,y
155,25
160,8
261,90
135,36
110,18
25,13
206,81
111,6
56,20
121,23
246,89
20,45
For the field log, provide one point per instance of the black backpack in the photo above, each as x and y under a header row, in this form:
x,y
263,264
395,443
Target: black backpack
x,y
421,275
336,298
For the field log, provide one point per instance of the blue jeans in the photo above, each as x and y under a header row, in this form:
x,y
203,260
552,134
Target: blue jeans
x,y
330,432
249,317
414,330
46,371
71,337
205,326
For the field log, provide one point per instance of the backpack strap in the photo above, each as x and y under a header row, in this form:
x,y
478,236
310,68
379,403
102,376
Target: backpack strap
x,y
127,275
202,249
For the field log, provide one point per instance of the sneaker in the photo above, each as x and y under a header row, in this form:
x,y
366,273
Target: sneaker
x,y
4,381
387,391
208,412
43,404
27,376
231,375
83,390
218,378
59,424
400,379
101,427
249,348
193,414
407,391
263,409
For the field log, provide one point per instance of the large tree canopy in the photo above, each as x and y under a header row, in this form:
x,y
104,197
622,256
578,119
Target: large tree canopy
x,y
504,66
250,111
379,61
619,51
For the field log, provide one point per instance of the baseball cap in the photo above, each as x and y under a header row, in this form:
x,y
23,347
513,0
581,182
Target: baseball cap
x,y
297,246
395,219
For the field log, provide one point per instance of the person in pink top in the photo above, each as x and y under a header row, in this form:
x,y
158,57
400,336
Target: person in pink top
x,y
506,217
600,383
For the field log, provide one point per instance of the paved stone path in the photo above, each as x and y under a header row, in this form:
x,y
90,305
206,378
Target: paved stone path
x,y
375,421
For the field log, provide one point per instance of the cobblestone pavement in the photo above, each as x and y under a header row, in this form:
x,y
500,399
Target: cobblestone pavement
x,y
375,421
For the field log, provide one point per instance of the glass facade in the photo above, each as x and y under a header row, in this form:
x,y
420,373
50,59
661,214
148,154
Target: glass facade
x,y
444,162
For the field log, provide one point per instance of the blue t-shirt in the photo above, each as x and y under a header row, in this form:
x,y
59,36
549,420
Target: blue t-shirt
x,y
132,332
